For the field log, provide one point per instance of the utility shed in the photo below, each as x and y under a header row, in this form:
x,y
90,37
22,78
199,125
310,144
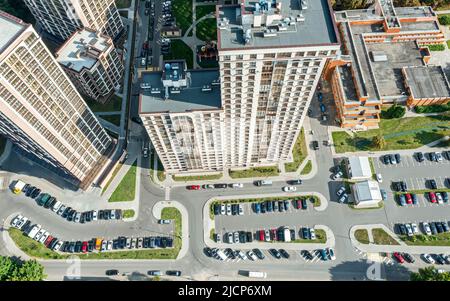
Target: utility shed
x,y
359,168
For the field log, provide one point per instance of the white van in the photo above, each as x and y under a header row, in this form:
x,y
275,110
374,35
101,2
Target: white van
x,y
263,183
257,274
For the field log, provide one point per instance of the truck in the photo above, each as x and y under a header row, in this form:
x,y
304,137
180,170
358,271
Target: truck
x,y
18,186
257,274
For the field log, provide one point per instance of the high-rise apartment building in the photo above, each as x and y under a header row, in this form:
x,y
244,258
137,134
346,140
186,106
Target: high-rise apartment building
x,y
379,45
92,63
271,56
62,18
41,110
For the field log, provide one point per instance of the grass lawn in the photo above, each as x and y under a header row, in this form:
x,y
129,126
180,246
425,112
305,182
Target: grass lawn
x,y
268,171
448,44
197,178
440,239
123,3
204,10
126,189
321,238
207,30
211,234
114,119
182,11
180,51
31,247
116,170
362,236
299,152
402,133
113,105
2,144
380,237
307,169
128,213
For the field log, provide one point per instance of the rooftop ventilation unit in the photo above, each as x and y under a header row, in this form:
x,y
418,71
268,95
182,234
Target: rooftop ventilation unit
x,y
269,33
155,91
303,4
300,18
223,23
248,36
215,82
175,90
206,88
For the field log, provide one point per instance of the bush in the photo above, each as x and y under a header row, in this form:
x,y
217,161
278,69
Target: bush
x,y
444,19
432,108
437,47
394,111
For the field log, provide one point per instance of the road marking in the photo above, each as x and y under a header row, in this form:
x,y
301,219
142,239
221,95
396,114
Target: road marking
x,y
167,192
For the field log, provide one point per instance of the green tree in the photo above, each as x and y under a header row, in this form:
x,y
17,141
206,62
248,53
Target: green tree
x,y
430,274
378,142
16,270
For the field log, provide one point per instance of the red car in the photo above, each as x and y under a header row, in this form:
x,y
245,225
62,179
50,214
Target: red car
x,y
399,257
432,196
273,234
48,240
84,247
193,187
261,235
408,198
298,204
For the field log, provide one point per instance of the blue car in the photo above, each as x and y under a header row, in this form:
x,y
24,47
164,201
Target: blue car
x,y
257,207
444,196
263,207
320,96
305,233
323,254
286,205
414,198
402,200
322,108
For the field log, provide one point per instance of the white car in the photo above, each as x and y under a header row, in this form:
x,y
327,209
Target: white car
x,y
252,255
165,40
61,210
409,230
21,222
241,209
426,228
218,238
414,228
337,175
438,157
312,233
236,237
109,245
58,245
44,237
340,191
77,217
56,207
439,198
343,198
267,235
242,255
428,258
113,214
228,209
143,61
222,209
16,220
34,231
94,215
230,237
289,188
104,245
237,185
39,235
164,221
379,178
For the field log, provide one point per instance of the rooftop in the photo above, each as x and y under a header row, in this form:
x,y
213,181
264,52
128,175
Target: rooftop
x,y
82,50
427,82
271,23
201,93
10,28
359,167
367,191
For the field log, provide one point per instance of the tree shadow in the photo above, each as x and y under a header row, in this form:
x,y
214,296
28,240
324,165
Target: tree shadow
x,y
366,270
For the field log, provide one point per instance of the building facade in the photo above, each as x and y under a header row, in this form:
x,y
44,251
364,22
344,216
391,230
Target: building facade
x,y
62,18
41,110
271,57
92,63
377,43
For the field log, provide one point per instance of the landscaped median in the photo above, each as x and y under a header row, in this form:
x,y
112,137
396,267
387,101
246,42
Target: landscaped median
x,y
197,178
381,237
125,191
37,250
255,172
362,236
440,239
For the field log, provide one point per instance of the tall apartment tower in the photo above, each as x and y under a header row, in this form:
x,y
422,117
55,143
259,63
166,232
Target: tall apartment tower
x,y
250,113
271,56
92,63
41,110
62,18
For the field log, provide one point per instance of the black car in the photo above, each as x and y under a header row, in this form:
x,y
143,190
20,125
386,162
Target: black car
x,y
118,213
242,237
228,252
295,182
136,119
275,205
432,184
280,206
83,217
432,157
25,188
234,209
307,255
286,205
398,158
216,209
439,227
446,154
408,257
91,245
275,253
35,193
292,234
259,254
433,228
304,204
420,157
396,186
112,272
315,145
208,252
249,237
263,207
284,253
88,216
71,215
220,185
78,245
386,159
173,273
439,259
402,229
30,190
403,186
66,212
64,246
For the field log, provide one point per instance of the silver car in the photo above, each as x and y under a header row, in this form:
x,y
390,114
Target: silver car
x,y
236,237
228,209
230,237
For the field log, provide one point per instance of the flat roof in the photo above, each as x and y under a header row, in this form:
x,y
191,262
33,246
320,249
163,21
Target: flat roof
x,y
360,167
71,53
427,82
10,28
317,28
190,98
388,74
367,191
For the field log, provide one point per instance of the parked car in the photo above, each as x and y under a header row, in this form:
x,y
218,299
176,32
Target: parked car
x,y
259,254
428,258
408,258
399,257
426,228
252,255
432,197
284,253
432,184
331,254
275,253
289,188
295,182
337,175
402,199
173,273
340,191
419,156
312,233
